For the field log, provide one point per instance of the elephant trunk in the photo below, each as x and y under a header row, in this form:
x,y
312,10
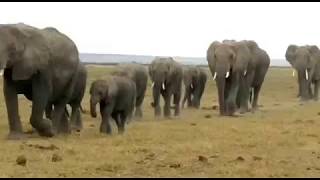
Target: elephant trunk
x,y
304,77
221,81
93,103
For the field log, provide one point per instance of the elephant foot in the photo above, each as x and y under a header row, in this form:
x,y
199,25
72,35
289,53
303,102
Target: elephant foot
x,y
16,136
44,128
315,98
76,128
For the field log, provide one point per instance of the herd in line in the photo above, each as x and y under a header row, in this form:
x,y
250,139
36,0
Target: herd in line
x,y
43,64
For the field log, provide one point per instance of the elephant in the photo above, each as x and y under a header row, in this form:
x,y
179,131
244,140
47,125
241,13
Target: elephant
x,y
139,74
74,101
228,63
42,64
166,75
254,77
306,61
116,96
194,79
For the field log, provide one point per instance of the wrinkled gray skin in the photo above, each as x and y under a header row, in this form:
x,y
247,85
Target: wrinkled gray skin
x,y
166,75
41,64
139,74
306,62
228,62
74,101
194,79
254,77
116,96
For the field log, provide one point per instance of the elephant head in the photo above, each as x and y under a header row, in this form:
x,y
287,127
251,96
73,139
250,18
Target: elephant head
x,y
23,51
99,93
304,60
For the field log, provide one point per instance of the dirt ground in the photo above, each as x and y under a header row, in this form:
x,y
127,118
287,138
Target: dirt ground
x,y
282,139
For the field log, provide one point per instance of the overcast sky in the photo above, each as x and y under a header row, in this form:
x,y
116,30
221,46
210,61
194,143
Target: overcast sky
x,y
172,29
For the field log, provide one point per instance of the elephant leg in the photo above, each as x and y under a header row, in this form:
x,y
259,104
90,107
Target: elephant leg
x,y
176,101
311,95
60,118
156,101
122,121
256,91
232,95
40,96
49,111
138,111
166,107
105,111
316,90
76,121
11,100
226,95
186,94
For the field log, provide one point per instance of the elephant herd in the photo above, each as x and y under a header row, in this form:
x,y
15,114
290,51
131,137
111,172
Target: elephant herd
x,y
44,66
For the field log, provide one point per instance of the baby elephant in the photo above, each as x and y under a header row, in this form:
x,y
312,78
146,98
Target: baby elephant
x,y
116,96
194,79
139,74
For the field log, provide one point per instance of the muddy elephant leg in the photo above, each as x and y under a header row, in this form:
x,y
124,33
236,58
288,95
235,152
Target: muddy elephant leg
x,y
11,100
316,90
40,96
75,120
176,101
105,111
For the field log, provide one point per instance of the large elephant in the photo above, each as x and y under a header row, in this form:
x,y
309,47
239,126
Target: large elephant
x,y
194,79
41,64
228,63
74,101
116,96
254,76
306,61
139,74
166,75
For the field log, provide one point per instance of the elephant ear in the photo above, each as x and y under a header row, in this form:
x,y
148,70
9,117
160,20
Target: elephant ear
x,y
34,54
290,53
211,56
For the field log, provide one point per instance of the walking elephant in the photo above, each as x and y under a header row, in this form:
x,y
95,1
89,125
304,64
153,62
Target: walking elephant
x,y
116,96
42,64
74,101
166,75
194,79
254,77
228,63
306,61
139,74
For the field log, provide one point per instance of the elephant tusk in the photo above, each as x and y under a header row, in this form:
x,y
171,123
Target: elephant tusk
x,y
191,86
1,72
163,86
307,75
227,75
214,76
245,72
152,85
292,73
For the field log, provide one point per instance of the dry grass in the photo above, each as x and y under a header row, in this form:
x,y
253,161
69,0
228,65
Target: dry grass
x,y
282,139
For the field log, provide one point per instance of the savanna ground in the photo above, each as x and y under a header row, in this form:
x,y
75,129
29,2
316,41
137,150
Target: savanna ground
x,y
282,139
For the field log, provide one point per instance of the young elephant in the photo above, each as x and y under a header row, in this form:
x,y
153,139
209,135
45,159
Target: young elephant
x,y
194,79
166,75
74,101
116,96
138,74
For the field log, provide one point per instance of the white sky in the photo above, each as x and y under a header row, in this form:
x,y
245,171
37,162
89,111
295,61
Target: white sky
x,y
172,29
